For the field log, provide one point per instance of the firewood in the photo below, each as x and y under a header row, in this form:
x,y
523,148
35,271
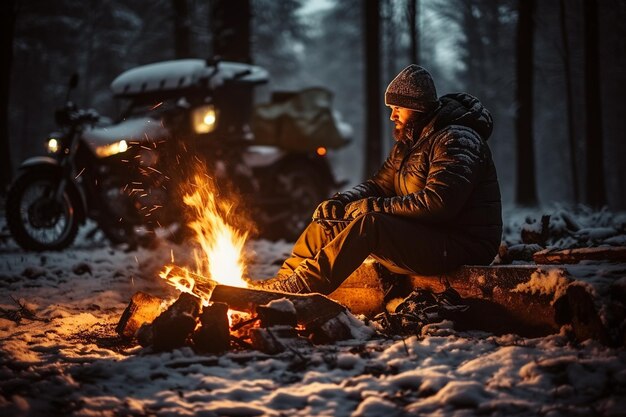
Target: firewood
x,y
311,309
580,312
142,308
521,252
172,328
277,312
214,334
332,331
531,235
277,339
574,256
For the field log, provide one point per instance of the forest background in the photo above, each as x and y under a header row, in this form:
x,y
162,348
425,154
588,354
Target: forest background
x,y
552,72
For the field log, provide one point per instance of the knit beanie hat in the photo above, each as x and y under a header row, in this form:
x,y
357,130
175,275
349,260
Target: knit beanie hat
x,y
413,88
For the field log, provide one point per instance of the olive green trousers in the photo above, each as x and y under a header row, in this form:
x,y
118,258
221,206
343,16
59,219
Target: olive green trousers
x,y
324,259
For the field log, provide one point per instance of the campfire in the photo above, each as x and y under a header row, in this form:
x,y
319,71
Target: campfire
x,y
215,309
219,256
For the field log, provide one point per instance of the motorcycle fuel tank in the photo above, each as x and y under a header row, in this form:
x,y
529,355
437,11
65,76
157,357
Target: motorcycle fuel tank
x,y
102,140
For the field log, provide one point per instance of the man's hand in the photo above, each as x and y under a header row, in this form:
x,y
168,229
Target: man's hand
x,y
360,207
329,210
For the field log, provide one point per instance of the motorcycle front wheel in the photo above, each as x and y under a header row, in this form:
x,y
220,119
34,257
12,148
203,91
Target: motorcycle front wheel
x,y
36,219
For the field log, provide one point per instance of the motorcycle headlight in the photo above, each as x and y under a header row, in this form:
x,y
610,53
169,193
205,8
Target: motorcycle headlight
x,y
53,145
203,119
112,149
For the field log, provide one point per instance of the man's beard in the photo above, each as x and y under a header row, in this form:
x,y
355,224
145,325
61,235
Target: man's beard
x,y
412,127
403,132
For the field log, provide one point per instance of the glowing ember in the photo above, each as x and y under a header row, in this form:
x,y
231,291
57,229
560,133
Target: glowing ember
x,y
219,258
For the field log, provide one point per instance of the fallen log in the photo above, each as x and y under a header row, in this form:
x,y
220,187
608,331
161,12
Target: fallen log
x,y
514,298
530,300
142,308
311,309
574,256
497,292
363,292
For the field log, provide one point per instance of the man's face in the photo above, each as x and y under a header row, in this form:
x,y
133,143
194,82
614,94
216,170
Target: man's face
x,y
402,117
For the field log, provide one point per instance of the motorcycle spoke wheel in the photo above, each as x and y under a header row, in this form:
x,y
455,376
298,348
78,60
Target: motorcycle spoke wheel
x,y
36,220
45,220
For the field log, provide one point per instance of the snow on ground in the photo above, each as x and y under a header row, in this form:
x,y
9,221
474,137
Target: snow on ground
x,y
70,362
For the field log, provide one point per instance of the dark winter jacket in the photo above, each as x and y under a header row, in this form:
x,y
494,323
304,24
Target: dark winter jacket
x,y
445,176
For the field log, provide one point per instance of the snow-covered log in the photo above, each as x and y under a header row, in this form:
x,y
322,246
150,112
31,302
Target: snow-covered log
x,y
530,300
278,312
574,256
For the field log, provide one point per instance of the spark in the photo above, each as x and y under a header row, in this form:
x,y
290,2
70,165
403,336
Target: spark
x,y
80,173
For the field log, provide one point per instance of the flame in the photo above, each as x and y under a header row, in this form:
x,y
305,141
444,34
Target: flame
x,y
219,257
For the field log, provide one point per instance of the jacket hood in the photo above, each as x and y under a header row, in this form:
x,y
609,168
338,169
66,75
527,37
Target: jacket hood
x,y
465,110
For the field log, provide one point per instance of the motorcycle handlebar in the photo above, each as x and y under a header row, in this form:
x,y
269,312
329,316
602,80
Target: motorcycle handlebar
x,y
71,115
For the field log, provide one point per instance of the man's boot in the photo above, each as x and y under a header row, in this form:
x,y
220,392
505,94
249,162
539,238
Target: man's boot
x,y
294,284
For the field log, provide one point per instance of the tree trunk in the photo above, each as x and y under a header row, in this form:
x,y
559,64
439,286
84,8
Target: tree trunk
x,y
182,34
569,100
231,29
412,18
373,154
596,195
9,16
476,57
526,190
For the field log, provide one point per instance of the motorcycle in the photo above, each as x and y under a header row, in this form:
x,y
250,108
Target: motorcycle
x,y
124,175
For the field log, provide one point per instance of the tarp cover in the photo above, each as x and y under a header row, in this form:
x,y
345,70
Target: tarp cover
x,y
302,122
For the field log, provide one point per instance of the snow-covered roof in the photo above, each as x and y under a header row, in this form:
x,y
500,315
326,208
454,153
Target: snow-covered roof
x,y
183,74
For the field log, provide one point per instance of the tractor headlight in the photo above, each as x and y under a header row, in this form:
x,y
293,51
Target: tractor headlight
x,y
53,145
112,149
203,119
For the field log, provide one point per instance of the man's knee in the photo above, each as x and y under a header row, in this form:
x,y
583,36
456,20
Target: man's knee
x,y
373,222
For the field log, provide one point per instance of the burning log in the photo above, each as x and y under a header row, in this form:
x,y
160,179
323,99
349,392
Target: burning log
x,y
172,327
143,308
311,309
574,256
214,335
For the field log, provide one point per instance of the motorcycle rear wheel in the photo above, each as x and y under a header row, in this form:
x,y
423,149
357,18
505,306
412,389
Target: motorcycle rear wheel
x,y
37,222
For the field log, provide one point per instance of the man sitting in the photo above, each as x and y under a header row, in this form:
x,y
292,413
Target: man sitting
x,y
433,205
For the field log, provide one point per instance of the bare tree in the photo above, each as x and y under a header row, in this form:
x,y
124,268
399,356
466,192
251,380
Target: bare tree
x,y
182,32
231,29
526,187
569,99
9,13
596,194
412,13
373,144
